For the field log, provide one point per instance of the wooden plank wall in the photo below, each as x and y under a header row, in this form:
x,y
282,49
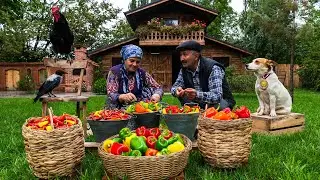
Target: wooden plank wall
x,y
283,72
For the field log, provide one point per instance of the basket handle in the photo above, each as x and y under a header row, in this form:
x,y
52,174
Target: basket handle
x,y
51,118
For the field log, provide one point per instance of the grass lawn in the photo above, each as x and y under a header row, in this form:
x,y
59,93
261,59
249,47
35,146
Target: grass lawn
x,y
273,157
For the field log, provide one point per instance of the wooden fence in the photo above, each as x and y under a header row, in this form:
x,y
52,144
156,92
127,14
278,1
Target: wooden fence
x,y
283,72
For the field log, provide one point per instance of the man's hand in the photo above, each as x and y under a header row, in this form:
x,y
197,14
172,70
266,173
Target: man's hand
x,y
155,98
179,92
127,98
190,93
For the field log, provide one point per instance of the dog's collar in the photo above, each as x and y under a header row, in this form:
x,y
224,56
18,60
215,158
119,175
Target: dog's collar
x,y
265,76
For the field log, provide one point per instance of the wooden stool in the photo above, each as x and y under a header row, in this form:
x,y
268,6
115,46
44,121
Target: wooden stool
x,y
81,106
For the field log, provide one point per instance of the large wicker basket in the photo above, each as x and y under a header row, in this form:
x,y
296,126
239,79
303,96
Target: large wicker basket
x,y
54,153
146,167
225,143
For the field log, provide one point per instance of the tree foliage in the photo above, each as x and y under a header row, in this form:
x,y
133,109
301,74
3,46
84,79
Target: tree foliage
x,y
26,39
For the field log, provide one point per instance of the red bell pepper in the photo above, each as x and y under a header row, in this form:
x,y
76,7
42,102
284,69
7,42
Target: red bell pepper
x,y
151,142
166,133
243,112
151,152
210,112
118,149
154,132
142,131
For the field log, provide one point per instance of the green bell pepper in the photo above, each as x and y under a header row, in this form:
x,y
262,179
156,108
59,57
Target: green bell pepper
x,y
161,143
124,132
135,153
174,138
139,143
119,140
165,151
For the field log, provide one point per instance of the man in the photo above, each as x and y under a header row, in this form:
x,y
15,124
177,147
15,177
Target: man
x,y
201,80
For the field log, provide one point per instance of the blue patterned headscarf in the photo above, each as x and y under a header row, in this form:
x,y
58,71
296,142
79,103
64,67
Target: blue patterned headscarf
x,y
129,51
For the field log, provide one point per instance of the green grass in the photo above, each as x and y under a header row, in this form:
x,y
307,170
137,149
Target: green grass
x,y
273,157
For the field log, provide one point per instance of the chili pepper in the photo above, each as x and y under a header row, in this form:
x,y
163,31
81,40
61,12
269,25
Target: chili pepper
x,y
243,112
119,140
175,147
166,133
69,122
107,145
138,143
124,132
151,141
128,139
118,149
135,153
161,143
151,152
210,112
142,131
154,132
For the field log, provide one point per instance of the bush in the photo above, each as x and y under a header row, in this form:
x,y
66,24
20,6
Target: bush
x,y
99,86
240,83
309,73
26,84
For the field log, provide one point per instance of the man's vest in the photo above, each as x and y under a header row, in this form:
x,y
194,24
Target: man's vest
x,y
205,70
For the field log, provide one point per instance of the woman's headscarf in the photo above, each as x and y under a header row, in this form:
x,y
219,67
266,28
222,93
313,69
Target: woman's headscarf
x,y
129,51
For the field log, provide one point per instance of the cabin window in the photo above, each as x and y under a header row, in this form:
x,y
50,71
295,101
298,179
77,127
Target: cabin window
x,y
171,22
225,61
76,72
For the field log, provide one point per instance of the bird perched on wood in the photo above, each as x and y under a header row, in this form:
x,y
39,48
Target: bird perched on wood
x,y
61,36
52,82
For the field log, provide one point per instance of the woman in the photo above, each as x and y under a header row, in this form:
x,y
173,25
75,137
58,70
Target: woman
x,y
128,83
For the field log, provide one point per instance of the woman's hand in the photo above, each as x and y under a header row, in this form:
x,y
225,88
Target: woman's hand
x,y
127,98
155,98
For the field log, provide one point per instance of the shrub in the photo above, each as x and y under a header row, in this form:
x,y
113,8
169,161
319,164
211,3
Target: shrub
x,y
242,83
99,86
26,84
309,73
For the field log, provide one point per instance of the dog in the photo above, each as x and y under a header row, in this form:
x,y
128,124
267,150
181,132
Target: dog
x,y
273,97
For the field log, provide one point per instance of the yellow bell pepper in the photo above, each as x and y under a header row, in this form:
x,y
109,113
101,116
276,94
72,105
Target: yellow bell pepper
x,y
175,147
43,123
97,113
70,122
49,128
107,145
128,139
164,111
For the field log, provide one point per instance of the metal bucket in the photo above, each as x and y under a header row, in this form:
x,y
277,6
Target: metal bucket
x,y
106,128
182,123
149,120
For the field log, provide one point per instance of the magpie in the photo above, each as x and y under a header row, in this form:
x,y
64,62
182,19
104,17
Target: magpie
x,y
52,82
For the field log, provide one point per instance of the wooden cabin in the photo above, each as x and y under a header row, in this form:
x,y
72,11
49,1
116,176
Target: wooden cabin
x,y
160,27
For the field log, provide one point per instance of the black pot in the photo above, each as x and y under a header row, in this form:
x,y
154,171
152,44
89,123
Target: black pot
x,y
149,120
182,123
106,128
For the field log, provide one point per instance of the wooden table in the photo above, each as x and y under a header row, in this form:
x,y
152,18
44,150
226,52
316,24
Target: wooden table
x,y
81,106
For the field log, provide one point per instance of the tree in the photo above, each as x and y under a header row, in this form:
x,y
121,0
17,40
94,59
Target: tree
x,y
27,39
133,5
10,10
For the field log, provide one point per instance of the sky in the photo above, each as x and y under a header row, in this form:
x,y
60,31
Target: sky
x,y
237,5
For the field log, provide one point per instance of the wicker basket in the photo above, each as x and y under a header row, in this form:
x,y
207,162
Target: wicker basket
x,y
225,143
146,167
54,153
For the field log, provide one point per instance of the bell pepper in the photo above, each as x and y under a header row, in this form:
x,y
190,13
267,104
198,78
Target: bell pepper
x,y
164,111
166,133
43,123
127,140
142,131
69,122
135,153
107,145
154,132
164,151
124,132
243,112
151,141
119,149
176,137
175,147
49,128
227,110
119,140
138,143
161,143
151,152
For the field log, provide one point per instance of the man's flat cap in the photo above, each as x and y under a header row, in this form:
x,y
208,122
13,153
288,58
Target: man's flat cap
x,y
189,45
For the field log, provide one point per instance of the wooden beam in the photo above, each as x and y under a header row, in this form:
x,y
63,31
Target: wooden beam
x,y
64,64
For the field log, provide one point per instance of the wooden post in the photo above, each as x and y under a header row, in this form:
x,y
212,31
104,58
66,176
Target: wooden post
x,y
80,82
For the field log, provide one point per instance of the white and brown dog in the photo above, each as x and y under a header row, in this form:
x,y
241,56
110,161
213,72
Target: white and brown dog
x,y
273,97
